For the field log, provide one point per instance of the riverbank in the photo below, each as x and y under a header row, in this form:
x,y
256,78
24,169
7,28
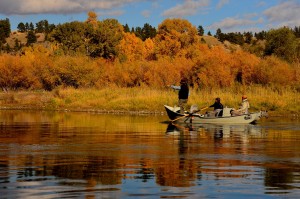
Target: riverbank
x,y
146,100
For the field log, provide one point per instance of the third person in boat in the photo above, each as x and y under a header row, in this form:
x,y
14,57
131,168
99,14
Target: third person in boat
x,y
243,108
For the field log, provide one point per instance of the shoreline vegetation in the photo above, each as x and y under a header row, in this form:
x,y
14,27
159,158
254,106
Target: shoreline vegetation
x,y
102,66
145,100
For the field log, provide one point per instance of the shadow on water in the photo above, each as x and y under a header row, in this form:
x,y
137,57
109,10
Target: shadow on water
x,y
111,156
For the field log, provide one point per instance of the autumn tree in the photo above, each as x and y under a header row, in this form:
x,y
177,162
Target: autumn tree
x,y
131,48
92,19
13,74
174,35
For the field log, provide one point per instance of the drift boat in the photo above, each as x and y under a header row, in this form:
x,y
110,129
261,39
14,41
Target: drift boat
x,y
226,118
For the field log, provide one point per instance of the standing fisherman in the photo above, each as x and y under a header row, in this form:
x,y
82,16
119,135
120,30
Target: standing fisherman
x,y
183,94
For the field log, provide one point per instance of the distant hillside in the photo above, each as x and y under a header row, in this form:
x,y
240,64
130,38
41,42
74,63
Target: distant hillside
x,y
22,38
212,41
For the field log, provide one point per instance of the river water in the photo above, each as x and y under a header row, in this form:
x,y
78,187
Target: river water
x,y
88,155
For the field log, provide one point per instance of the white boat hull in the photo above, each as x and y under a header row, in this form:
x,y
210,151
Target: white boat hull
x,y
198,118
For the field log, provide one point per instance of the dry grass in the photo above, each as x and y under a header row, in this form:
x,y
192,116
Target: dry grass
x,y
22,38
149,100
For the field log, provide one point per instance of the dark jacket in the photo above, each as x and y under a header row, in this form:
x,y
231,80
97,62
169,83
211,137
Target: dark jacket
x,y
184,91
217,105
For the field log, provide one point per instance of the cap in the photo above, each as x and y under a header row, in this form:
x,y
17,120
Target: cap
x,y
183,80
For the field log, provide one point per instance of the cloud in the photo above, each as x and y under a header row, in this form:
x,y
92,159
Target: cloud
x,y
284,14
146,13
187,8
261,4
23,7
111,13
233,23
222,3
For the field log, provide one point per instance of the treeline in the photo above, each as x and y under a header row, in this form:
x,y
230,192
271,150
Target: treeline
x,y
105,54
42,26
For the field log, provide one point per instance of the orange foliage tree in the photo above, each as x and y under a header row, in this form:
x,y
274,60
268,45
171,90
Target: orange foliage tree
x,y
174,35
13,74
272,71
131,48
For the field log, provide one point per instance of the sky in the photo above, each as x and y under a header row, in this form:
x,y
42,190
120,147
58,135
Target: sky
x,y
228,15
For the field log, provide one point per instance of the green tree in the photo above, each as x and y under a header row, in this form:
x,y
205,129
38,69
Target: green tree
x,y
21,27
105,38
17,45
219,35
148,32
73,37
138,31
126,28
297,31
31,27
200,30
209,33
248,37
27,26
282,42
31,38
236,38
40,27
4,29
261,35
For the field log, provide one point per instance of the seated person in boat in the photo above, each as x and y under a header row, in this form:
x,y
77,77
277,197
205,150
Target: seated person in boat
x,y
218,108
243,108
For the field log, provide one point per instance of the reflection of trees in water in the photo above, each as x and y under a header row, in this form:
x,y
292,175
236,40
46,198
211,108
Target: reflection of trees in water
x,y
182,170
176,173
280,178
103,170
180,160
145,172
217,140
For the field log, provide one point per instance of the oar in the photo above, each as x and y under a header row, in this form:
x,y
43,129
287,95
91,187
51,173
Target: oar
x,y
186,115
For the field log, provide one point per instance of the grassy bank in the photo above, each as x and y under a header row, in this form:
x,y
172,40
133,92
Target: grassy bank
x,y
148,100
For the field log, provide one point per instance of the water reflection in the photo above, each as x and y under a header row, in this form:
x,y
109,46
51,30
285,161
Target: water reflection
x,y
89,155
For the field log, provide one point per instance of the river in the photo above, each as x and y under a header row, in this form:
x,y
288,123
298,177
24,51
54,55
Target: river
x,y
88,155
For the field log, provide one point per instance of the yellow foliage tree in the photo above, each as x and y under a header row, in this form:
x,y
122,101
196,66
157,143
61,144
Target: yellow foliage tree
x,y
174,35
92,18
131,48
